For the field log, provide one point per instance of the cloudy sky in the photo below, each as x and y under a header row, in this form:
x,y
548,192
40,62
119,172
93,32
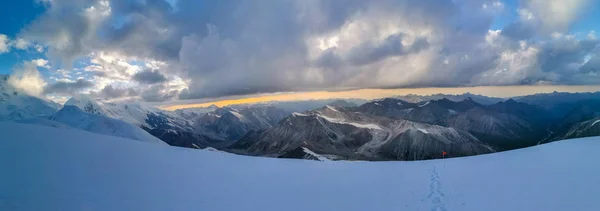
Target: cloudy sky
x,y
171,51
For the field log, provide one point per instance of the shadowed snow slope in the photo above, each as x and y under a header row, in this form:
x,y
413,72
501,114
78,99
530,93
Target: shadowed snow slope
x,y
45,168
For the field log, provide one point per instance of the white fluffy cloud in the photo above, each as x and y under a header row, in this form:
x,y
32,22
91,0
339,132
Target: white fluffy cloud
x,y
556,15
21,44
7,44
40,63
28,78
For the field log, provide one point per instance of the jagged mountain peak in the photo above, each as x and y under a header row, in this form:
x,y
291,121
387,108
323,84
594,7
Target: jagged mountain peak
x,y
513,105
389,101
227,113
228,123
331,108
224,109
511,101
459,97
389,107
354,135
462,105
85,103
341,103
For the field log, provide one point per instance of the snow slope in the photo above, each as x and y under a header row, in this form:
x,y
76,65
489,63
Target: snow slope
x,y
45,168
76,118
131,113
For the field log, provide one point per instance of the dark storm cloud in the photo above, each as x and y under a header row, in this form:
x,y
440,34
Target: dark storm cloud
x,y
563,53
592,66
571,60
157,93
367,53
149,77
68,87
110,92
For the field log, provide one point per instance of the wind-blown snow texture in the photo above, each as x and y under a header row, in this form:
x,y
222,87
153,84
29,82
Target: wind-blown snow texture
x,y
45,168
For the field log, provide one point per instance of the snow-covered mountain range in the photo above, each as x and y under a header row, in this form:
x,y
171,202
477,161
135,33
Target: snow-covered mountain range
x,y
342,133
230,124
485,100
17,106
401,128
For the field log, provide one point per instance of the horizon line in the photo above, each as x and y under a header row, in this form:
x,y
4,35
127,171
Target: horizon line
x,y
371,94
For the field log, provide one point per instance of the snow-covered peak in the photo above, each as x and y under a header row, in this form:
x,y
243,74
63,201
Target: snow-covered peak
x,y
85,103
16,104
227,112
74,117
80,99
135,114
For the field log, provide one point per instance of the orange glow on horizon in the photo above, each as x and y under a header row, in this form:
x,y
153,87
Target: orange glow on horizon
x,y
369,94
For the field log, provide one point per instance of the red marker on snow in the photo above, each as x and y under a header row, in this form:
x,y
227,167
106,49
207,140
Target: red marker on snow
x,y
443,154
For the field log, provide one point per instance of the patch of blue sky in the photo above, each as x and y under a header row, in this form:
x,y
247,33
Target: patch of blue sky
x,y
13,16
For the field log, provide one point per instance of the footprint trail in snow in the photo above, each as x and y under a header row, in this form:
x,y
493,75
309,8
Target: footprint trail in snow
x,y
435,191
